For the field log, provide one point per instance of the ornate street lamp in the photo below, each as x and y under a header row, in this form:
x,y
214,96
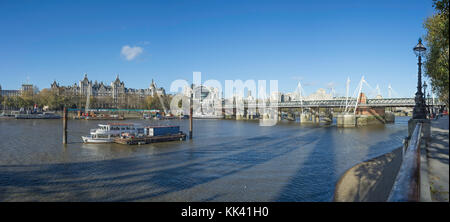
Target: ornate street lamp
x,y
419,111
425,91
427,108
430,106
425,88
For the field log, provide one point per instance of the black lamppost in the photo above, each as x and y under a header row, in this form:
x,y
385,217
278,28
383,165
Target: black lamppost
x,y
425,98
191,105
419,111
433,110
425,91
430,106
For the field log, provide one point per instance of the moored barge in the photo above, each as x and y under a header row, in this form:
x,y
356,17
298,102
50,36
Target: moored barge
x,y
151,134
150,139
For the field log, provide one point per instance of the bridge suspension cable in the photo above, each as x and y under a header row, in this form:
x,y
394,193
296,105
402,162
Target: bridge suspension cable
x,y
391,90
347,87
300,92
330,86
359,93
378,90
372,92
352,102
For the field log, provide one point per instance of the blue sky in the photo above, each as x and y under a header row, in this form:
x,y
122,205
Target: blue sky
x,y
317,42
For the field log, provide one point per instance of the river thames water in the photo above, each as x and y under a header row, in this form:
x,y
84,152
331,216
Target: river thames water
x,y
226,161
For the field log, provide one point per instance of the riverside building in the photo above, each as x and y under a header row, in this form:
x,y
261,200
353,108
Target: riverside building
x,y
114,90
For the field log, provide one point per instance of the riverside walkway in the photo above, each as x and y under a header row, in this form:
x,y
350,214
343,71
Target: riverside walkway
x,y
437,155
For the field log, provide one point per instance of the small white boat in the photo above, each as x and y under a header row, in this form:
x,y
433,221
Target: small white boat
x,y
106,133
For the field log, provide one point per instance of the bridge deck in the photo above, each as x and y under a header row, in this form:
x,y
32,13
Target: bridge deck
x,y
335,103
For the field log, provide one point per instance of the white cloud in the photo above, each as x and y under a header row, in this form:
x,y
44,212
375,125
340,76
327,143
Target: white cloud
x,y
131,52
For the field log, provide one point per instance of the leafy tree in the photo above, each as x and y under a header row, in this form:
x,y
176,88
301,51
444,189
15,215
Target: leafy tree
x,y
6,103
437,38
48,98
152,102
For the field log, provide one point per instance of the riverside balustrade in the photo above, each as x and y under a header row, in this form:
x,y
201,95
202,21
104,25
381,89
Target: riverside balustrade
x,y
407,183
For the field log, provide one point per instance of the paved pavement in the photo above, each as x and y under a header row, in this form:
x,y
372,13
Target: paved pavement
x,y
438,164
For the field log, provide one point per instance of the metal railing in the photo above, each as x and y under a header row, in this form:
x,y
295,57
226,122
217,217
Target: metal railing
x,y
407,183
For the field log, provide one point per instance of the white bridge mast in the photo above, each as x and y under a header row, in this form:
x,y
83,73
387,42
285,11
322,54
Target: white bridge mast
x,y
359,93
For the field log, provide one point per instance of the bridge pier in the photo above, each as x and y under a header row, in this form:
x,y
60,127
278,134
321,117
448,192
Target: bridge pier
x,y
310,117
328,117
304,118
346,120
390,117
291,115
315,117
265,116
229,113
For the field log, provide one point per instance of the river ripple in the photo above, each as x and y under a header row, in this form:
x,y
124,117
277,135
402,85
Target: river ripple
x,y
226,161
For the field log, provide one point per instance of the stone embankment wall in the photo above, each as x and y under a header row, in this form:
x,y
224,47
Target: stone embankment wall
x,y
369,181
363,120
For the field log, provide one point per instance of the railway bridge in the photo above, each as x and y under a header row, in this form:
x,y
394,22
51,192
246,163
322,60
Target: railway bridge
x,y
347,111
